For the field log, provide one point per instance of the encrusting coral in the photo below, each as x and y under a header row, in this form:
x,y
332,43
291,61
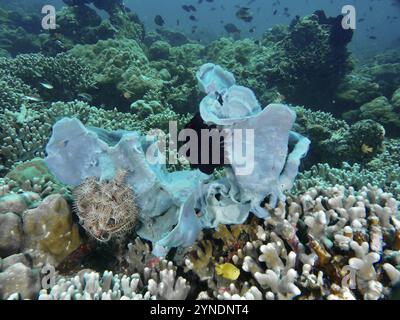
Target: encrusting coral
x,y
50,234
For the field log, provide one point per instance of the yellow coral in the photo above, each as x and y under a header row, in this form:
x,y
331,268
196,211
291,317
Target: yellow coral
x,y
50,229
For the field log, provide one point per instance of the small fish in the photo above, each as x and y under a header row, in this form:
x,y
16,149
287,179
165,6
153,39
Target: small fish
x,y
275,12
252,30
244,14
227,271
127,95
46,86
193,18
366,149
231,28
158,20
372,37
186,8
85,97
59,43
33,98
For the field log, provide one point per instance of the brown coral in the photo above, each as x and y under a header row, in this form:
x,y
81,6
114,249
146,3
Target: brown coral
x,y
106,209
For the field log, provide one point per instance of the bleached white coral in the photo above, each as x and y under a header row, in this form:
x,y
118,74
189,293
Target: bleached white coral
x,y
169,288
252,293
150,285
94,287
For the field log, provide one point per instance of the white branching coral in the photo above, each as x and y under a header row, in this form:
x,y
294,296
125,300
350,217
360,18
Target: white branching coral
x,y
168,287
336,244
150,285
232,293
92,286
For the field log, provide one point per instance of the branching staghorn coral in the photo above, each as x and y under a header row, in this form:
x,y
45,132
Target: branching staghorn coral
x,y
312,242
106,209
151,284
377,172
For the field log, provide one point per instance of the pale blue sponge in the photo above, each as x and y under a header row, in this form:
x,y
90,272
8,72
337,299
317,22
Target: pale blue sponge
x,y
168,201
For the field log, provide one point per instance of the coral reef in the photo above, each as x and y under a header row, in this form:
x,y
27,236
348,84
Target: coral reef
x,y
18,32
169,219
35,77
158,283
19,280
120,66
307,247
335,141
10,234
383,171
77,23
304,250
305,53
85,189
379,110
370,91
24,134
